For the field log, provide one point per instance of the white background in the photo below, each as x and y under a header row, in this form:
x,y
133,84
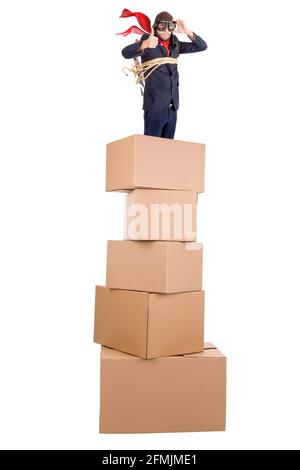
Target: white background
x,y
63,97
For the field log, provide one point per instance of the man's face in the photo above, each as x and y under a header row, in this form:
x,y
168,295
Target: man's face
x,y
164,35
164,29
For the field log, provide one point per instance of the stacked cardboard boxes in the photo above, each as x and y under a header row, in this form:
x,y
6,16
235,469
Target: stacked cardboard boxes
x,y
157,374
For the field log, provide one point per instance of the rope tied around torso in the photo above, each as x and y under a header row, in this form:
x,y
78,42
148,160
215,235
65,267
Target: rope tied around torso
x,y
144,70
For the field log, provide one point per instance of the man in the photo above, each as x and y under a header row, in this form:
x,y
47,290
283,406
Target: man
x,y
161,97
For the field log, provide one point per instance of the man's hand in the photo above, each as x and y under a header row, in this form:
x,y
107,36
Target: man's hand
x,y
182,28
151,43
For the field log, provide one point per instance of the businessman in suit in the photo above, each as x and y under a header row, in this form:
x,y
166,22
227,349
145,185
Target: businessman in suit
x,y
161,95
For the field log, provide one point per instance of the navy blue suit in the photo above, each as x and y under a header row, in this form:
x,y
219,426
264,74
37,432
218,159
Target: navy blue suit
x,y
161,88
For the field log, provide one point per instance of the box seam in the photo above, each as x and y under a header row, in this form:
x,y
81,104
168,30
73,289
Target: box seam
x,y
147,327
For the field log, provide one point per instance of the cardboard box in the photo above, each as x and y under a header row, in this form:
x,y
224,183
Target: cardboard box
x,y
149,325
142,161
154,266
159,214
167,394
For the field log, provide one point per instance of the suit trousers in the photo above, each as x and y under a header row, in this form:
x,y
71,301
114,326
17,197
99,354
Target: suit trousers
x,y
161,124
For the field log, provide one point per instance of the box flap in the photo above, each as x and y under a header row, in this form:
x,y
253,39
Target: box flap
x,y
109,353
209,351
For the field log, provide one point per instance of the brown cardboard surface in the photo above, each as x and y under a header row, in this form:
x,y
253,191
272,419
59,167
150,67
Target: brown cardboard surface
x,y
149,325
167,394
159,214
162,267
141,161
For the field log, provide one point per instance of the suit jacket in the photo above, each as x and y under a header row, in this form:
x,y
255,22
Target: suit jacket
x,y
161,88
